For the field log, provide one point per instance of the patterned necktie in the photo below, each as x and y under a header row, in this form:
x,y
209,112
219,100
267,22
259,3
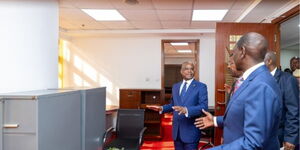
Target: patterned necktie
x,y
183,90
237,84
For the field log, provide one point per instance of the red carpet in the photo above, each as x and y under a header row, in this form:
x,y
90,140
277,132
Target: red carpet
x,y
167,142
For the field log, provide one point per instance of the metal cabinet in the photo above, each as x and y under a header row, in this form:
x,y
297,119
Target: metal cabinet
x,y
52,120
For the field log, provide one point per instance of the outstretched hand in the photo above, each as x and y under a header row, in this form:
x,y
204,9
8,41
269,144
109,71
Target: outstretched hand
x,y
204,122
154,107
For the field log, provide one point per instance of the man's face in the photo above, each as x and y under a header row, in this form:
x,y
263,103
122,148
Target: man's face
x,y
295,64
187,72
235,58
232,68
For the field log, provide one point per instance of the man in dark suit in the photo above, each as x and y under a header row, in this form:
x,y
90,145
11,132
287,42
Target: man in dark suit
x,y
289,124
251,119
189,97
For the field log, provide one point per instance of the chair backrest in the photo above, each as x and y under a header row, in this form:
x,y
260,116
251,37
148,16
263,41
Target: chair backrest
x,y
130,122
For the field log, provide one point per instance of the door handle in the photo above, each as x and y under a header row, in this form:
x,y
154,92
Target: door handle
x,y
221,90
221,103
10,125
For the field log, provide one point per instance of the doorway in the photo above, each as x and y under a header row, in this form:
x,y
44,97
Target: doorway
x,y
174,53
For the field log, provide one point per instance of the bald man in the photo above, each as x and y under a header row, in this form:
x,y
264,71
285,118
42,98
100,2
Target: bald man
x,y
253,114
289,124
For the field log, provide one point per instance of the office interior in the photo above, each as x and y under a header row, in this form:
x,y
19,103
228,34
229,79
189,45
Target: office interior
x,y
55,44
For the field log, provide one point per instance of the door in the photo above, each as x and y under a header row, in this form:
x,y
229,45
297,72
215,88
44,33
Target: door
x,y
227,34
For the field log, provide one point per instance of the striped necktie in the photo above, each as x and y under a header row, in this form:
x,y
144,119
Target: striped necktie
x,y
238,84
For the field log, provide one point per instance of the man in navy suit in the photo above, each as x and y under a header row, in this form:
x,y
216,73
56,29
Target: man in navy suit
x,y
252,117
189,97
289,124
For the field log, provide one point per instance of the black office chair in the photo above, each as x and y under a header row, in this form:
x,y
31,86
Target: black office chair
x,y
207,135
129,131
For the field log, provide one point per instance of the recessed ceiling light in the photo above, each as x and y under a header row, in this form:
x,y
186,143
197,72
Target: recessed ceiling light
x,y
104,14
179,44
184,51
209,15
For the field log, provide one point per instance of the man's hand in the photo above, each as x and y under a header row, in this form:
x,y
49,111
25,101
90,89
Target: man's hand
x,y
204,122
154,107
227,88
181,110
288,146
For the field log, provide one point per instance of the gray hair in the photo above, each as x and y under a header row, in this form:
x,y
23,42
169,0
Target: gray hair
x,y
187,63
270,55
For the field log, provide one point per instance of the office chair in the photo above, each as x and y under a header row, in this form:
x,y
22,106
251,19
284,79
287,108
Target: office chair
x,y
207,135
129,130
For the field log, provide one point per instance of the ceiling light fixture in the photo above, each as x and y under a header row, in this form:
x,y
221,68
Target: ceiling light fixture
x,y
180,44
209,15
104,14
184,51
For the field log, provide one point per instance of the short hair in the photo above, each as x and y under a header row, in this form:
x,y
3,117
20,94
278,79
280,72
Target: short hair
x,y
187,63
295,57
251,41
271,55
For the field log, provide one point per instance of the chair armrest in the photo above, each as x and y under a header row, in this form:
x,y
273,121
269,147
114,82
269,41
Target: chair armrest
x,y
142,135
106,133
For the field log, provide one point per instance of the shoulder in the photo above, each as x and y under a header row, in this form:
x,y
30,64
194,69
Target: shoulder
x,y
287,76
265,81
201,84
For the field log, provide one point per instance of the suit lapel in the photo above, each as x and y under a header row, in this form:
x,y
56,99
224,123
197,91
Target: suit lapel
x,y
177,88
244,86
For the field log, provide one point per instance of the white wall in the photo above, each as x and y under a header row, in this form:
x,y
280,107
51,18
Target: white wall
x,y
29,39
128,62
285,57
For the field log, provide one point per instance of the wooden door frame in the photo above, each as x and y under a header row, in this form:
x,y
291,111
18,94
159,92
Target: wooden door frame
x,y
197,41
278,21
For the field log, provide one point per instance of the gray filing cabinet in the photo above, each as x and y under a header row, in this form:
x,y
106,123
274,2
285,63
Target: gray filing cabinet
x,y
51,119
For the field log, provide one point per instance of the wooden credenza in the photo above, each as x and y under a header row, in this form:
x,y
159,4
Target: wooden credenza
x,y
138,99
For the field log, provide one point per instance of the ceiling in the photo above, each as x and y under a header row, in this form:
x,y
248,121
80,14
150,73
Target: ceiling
x,y
166,14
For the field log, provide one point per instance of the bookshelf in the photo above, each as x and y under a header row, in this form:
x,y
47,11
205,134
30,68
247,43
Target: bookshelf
x,y
138,99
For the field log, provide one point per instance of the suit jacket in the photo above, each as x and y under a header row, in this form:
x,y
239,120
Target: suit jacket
x,y
251,119
289,124
194,100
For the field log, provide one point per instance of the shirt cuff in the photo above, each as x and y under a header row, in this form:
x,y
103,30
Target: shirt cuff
x,y
215,122
187,112
162,109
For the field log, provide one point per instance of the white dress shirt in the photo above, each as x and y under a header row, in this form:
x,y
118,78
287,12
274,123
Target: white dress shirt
x,y
273,72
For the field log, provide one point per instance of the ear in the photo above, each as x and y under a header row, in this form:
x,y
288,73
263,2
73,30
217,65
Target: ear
x,y
243,52
270,61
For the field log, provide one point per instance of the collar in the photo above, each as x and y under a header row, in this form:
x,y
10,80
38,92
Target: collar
x,y
273,71
251,69
188,82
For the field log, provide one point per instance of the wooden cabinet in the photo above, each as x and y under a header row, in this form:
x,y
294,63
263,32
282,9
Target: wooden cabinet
x,y
138,99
